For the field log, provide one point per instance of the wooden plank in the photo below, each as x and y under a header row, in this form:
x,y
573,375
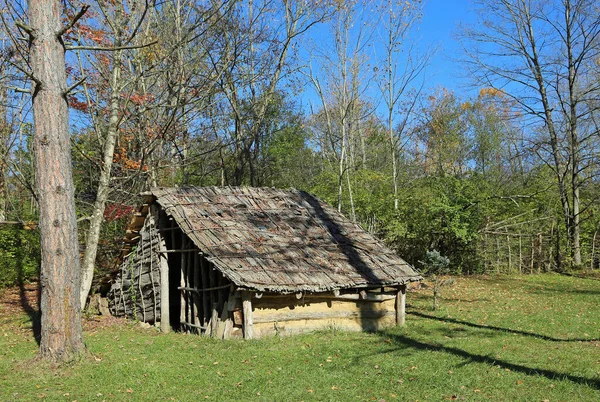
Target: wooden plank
x,y
401,306
247,314
222,321
292,315
228,329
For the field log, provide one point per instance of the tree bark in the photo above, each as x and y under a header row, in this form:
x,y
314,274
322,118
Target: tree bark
x,y
61,335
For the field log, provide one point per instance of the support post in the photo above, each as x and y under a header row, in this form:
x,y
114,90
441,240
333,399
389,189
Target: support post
x,y
247,313
165,318
401,306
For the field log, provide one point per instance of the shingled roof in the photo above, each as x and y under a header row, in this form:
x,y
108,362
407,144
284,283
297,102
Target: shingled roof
x,y
281,240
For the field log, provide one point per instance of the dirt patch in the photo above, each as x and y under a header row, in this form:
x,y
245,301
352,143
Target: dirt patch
x,y
16,303
18,300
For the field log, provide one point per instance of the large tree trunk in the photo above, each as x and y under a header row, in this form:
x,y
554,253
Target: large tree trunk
x,y
61,337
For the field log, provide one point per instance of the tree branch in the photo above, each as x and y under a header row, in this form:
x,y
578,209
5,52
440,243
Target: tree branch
x,y
111,48
20,90
75,85
24,27
73,21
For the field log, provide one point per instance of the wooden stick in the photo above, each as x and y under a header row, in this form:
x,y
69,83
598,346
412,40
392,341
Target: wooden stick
x,y
178,251
183,323
200,290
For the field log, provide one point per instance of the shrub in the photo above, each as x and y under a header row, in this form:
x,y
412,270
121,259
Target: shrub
x,y
19,255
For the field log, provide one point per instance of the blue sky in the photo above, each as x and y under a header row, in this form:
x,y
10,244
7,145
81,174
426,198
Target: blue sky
x,y
438,27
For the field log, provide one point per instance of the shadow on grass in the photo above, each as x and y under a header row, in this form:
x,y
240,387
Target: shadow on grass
x,y
33,311
591,275
502,329
563,290
405,341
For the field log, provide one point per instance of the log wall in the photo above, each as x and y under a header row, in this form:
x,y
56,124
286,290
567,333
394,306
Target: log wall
x,y
286,315
135,293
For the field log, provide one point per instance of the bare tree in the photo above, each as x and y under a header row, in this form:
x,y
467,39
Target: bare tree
x,y
401,67
341,86
543,55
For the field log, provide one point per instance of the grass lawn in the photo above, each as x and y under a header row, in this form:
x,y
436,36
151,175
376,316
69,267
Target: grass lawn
x,y
529,338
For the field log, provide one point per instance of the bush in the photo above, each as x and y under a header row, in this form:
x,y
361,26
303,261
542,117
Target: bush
x,y
19,255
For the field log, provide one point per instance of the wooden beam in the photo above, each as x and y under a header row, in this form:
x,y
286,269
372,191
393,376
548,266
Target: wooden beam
x,y
401,306
247,312
198,290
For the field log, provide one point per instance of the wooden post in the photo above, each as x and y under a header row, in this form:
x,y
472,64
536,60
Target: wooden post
x,y
165,318
401,306
183,284
541,260
197,285
593,250
214,320
509,254
247,313
520,255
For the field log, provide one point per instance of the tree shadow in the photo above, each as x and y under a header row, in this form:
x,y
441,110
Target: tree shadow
x,y
347,247
33,311
501,329
405,341
563,290
587,277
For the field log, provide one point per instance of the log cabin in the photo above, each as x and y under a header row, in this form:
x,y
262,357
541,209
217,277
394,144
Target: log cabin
x,y
246,262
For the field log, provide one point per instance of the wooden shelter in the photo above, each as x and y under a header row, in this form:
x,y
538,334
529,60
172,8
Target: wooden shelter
x,y
233,261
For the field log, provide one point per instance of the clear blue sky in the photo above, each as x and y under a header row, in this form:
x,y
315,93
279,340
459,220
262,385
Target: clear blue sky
x,y
438,27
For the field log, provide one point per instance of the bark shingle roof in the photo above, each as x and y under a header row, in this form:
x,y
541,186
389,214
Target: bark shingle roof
x,y
281,240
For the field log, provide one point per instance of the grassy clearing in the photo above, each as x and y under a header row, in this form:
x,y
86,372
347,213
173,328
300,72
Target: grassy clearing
x,y
494,338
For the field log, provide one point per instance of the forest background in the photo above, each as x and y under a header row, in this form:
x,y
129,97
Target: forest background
x,y
350,100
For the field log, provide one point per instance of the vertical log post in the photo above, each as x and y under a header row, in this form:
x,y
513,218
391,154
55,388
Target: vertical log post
x,y
401,306
540,253
509,254
520,255
247,312
165,316
183,285
197,286
214,320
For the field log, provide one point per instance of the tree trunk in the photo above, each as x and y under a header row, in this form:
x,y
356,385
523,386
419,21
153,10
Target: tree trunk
x,y
61,336
93,235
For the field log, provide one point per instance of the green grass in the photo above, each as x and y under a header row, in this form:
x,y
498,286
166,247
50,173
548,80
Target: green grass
x,y
529,338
